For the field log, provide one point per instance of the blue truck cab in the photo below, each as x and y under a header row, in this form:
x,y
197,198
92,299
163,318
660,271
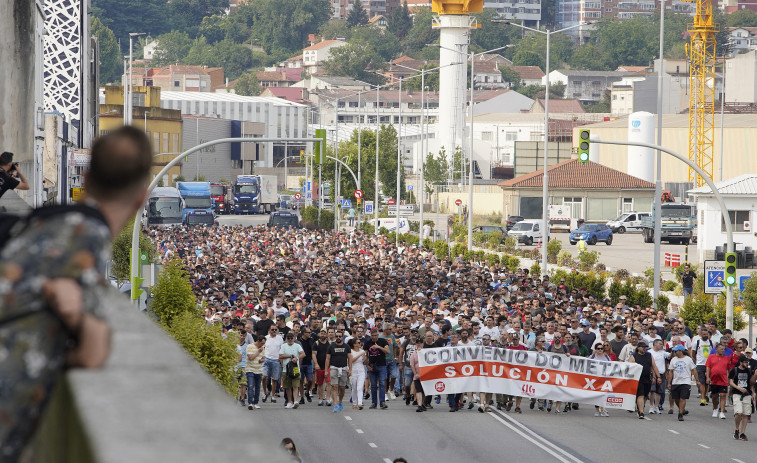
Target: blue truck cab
x,y
196,197
246,190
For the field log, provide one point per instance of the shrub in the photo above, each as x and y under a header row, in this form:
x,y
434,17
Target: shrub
x,y
510,262
441,249
510,243
121,252
492,259
494,239
662,303
588,259
172,294
700,308
535,270
750,295
592,281
479,238
553,249
564,258
669,285
208,346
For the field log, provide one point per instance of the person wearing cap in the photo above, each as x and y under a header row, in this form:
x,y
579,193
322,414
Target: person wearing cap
x,y
587,337
680,370
741,379
291,352
649,374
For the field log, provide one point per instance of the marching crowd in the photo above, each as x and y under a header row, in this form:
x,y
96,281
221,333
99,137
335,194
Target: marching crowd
x,y
321,313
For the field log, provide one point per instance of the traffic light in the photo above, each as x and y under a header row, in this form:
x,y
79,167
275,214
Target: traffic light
x,y
730,269
319,133
583,145
302,156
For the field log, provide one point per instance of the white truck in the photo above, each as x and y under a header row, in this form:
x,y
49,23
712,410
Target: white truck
x,y
560,218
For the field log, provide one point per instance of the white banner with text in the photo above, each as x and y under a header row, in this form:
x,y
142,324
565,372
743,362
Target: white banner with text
x,y
453,370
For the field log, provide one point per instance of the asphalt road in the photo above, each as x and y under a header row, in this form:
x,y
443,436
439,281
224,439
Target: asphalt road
x,y
438,436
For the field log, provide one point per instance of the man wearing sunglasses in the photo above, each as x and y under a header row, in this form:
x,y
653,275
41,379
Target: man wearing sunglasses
x,y
272,365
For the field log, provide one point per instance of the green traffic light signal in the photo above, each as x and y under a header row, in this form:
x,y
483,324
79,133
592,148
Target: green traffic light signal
x,y
583,145
730,269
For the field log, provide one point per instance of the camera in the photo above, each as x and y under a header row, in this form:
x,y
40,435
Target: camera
x,y
14,167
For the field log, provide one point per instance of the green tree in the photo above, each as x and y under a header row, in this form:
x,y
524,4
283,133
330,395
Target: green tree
x,y
435,169
123,17
172,294
355,60
248,85
285,24
357,16
420,34
742,18
590,57
234,58
172,48
207,344
400,21
213,28
121,252
334,28
491,34
187,15
383,42
528,58
602,106
431,79
511,76
110,55
750,295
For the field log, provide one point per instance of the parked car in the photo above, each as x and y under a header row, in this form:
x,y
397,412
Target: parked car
x,y
295,204
592,233
526,231
630,221
283,219
512,220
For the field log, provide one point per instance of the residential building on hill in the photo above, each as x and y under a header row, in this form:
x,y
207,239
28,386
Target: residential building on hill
x,y
315,55
178,78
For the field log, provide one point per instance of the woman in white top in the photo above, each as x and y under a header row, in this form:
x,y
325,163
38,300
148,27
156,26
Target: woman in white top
x,y
599,354
357,372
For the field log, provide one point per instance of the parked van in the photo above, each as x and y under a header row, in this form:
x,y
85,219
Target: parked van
x,y
391,224
630,221
527,231
283,219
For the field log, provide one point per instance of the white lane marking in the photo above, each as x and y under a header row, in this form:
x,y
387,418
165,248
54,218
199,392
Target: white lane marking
x,y
547,446
359,431
737,460
648,418
371,444
348,418
674,432
703,446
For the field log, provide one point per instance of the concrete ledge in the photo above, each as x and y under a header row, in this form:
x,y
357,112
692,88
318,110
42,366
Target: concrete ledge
x,y
151,402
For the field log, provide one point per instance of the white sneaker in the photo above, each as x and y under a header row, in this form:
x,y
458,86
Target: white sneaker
x,y
391,396
257,407
652,410
290,405
722,415
596,414
605,413
714,413
250,407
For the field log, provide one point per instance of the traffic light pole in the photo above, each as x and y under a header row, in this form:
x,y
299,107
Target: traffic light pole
x,y
718,197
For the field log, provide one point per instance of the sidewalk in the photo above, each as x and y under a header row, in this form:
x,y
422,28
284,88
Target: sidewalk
x,y
11,202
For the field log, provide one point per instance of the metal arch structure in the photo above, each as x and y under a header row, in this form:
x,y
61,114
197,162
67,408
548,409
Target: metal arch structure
x,y
701,53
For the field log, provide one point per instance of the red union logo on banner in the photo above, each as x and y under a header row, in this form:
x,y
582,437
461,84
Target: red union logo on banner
x,y
439,386
528,390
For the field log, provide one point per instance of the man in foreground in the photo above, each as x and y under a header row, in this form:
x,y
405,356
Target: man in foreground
x,y
53,288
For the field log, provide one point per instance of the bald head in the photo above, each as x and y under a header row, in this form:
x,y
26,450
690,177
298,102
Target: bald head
x,y
120,165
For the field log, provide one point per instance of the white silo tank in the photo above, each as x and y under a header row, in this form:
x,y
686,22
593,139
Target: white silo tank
x,y
641,128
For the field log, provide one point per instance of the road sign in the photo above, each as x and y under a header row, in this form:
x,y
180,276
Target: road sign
x,y
458,202
368,209
714,272
410,188
346,203
310,195
358,194
391,201
297,196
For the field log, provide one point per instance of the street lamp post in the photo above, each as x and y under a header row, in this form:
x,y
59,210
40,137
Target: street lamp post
x,y
131,84
399,167
545,177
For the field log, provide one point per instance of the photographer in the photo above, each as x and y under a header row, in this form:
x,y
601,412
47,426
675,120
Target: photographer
x,y
10,175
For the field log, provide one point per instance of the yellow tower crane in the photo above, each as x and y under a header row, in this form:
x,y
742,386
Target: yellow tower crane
x,y
701,53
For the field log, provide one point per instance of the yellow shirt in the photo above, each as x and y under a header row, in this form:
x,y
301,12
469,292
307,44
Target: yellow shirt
x,y
254,366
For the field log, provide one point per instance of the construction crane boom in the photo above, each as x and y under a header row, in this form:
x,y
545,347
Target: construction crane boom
x,y
701,53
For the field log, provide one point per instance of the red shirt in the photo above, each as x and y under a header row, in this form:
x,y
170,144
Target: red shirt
x,y
718,365
518,347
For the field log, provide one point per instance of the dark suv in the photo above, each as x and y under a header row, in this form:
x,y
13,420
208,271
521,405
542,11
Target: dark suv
x,y
283,219
512,220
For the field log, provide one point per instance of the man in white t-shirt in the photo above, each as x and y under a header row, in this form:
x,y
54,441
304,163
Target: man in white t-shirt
x,y
680,370
272,365
701,348
490,329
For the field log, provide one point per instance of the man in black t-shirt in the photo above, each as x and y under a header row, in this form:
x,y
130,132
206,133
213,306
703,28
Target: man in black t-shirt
x,y
337,366
264,324
320,350
377,349
306,365
10,175
687,280
741,380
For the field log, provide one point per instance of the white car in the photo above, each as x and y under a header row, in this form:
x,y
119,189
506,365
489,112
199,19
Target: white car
x,y
527,231
630,221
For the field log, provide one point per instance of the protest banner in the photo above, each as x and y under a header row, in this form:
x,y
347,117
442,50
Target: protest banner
x,y
452,370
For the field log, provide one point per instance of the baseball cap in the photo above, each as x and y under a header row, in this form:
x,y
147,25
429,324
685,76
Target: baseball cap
x,y
743,358
678,347
585,323
642,344
748,350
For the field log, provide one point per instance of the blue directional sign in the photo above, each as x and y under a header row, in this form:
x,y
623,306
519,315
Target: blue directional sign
x,y
368,207
715,279
346,203
410,188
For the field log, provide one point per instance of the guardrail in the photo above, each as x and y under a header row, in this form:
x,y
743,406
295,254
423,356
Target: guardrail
x,y
151,402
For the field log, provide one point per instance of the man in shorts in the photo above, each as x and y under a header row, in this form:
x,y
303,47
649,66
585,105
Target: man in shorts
x,y
680,370
741,379
337,365
320,350
717,367
291,352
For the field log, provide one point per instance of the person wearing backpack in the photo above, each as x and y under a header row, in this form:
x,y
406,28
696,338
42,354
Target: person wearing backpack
x,y
53,289
291,354
701,348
